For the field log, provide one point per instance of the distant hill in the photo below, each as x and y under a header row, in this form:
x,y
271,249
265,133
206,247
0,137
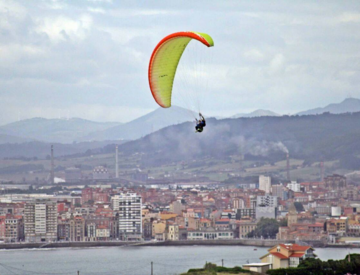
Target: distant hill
x,y
144,125
312,138
257,113
12,139
349,105
54,130
42,149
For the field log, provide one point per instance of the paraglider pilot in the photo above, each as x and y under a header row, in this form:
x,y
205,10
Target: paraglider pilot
x,y
200,124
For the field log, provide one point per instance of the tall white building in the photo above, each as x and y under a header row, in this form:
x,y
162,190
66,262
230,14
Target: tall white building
x,y
294,186
130,224
265,184
270,201
40,221
115,202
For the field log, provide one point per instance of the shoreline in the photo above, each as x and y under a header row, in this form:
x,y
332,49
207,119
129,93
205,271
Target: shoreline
x,y
238,242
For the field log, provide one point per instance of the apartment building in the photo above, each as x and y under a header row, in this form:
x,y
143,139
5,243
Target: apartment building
x,y
270,201
337,225
11,228
14,228
245,228
173,232
294,186
40,220
77,229
130,224
265,184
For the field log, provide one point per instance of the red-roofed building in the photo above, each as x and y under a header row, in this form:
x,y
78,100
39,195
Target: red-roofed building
x,y
287,255
301,231
106,212
63,206
222,223
12,208
101,196
86,195
301,197
205,223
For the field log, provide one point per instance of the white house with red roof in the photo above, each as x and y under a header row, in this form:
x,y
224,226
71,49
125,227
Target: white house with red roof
x,y
287,255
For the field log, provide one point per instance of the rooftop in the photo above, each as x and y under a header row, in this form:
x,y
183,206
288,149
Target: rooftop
x,y
294,247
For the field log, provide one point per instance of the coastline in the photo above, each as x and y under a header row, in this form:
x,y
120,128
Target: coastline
x,y
237,242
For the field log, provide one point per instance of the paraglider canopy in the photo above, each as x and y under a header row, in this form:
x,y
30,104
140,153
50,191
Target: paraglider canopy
x,y
164,61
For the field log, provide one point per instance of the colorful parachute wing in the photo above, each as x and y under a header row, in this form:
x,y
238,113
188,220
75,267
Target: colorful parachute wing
x,y
164,61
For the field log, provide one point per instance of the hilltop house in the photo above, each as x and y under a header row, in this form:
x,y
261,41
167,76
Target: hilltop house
x,y
287,255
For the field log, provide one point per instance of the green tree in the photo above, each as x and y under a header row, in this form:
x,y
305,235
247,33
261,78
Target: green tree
x,y
265,228
283,222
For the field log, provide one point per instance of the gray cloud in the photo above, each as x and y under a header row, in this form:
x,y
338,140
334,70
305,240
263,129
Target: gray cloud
x,y
90,58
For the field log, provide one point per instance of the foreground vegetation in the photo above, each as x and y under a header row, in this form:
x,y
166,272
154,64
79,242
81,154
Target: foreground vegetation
x,y
213,269
318,267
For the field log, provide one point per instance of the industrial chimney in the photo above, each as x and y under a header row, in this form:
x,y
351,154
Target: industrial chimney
x,y
288,167
321,171
241,158
116,162
52,176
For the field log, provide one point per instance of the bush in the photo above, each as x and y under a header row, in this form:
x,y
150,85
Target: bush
x,y
234,270
318,267
288,271
211,268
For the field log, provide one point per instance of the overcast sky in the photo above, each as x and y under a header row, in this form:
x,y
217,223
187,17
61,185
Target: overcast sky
x,y
89,59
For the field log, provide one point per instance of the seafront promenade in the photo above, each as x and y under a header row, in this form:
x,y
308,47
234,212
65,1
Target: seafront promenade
x,y
239,242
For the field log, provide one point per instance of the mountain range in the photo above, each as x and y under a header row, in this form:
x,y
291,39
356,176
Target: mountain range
x,y
151,122
257,113
50,130
81,130
349,105
311,137
39,149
